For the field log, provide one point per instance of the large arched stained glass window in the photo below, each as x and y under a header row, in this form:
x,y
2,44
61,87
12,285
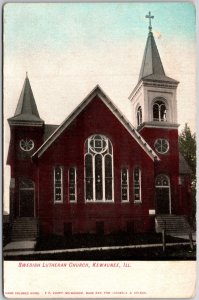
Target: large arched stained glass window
x,y
98,169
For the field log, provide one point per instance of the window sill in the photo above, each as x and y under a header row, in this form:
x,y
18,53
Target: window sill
x,y
137,202
99,201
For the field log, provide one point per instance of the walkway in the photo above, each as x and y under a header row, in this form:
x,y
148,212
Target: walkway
x,y
15,248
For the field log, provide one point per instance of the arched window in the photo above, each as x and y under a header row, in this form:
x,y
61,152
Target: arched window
x,y
162,181
159,111
162,194
26,184
98,169
139,115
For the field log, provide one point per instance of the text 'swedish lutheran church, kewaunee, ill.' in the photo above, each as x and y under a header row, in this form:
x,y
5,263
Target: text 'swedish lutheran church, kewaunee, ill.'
x,y
97,172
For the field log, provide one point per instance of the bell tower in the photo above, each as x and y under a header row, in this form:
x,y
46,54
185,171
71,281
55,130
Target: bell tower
x,y
27,130
154,97
154,108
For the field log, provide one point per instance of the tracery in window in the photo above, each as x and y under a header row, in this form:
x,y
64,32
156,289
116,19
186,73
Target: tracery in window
x,y
98,169
162,181
159,111
161,146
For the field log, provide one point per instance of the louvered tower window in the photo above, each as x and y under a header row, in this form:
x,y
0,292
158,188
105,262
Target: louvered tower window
x,y
159,111
139,116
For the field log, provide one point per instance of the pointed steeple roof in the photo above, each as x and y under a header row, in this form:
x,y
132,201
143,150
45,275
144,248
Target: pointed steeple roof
x,y
151,63
26,110
152,67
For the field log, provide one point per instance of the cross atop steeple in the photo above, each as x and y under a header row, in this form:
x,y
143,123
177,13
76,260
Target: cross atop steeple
x,y
149,16
151,63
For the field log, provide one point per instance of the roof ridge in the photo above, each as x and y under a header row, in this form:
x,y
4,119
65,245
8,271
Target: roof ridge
x,y
107,101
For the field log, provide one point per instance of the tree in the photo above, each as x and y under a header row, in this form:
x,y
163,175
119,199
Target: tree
x,y
187,145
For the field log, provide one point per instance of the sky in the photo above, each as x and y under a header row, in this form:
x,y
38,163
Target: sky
x,y
69,48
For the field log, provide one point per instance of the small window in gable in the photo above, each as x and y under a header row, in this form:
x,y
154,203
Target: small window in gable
x,y
72,176
159,111
124,185
58,184
137,185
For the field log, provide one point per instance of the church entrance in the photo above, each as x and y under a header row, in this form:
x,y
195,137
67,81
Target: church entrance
x,y
162,195
26,198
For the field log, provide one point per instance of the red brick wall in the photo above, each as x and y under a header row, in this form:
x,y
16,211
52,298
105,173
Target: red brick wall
x,y
20,161
169,164
68,150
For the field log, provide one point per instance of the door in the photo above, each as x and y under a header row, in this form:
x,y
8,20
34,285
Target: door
x,y
26,198
162,195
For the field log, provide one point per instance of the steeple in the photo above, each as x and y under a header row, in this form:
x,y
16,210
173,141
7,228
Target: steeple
x,y
26,111
152,67
151,63
154,97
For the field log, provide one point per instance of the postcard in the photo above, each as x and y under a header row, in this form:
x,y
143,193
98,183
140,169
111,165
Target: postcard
x,y
99,150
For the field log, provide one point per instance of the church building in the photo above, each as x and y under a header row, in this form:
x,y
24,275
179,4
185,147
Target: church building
x,y
98,172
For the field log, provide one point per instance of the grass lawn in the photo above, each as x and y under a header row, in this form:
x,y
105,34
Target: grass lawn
x,y
178,252
91,240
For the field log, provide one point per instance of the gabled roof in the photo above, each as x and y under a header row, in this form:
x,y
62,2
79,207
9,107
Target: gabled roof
x,y
26,110
48,130
97,91
151,63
